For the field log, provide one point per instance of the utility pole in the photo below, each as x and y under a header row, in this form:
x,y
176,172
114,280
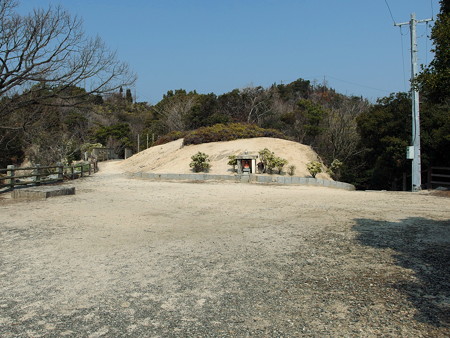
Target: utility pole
x,y
416,167
138,144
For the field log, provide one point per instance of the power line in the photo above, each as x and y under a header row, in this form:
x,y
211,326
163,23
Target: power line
x,y
390,12
432,10
358,84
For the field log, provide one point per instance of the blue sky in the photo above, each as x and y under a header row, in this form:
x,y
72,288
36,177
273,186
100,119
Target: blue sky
x,y
216,46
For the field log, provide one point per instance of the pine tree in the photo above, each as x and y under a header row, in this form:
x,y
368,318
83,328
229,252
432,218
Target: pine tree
x,y
128,96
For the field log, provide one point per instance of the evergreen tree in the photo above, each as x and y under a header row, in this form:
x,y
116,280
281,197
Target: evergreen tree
x,y
128,96
434,84
434,81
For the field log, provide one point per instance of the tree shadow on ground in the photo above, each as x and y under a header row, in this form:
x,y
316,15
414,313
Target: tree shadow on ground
x,y
422,245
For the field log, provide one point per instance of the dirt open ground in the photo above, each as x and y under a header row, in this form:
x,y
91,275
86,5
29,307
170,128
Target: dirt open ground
x,y
129,257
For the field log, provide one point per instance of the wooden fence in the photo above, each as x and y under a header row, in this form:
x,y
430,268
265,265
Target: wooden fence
x,y
38,175
438,176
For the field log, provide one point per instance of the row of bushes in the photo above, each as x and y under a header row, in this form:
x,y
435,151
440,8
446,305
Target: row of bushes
x,y
233,131
200,162
172,136
229,132
220,132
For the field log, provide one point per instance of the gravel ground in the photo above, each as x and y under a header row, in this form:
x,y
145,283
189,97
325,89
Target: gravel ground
x,y
128,257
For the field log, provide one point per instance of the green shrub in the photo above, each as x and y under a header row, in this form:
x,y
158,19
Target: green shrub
x,y
200,162
291,170
232,161
314,168
90,146
266,157
271,161
335,169
279,163
172,136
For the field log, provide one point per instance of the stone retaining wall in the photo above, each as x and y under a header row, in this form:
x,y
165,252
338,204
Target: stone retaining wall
x,y
252,178
33,193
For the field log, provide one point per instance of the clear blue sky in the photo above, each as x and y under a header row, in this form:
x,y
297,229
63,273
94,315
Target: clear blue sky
x,y
218,45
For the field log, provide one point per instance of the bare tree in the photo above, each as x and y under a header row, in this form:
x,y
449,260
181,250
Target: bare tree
x,y
340,139
173,110
45,53
256,104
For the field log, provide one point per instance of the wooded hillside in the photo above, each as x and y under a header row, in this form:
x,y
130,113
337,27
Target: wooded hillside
x,y
59,106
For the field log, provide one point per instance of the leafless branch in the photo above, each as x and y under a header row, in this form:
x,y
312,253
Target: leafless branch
x,y
46,52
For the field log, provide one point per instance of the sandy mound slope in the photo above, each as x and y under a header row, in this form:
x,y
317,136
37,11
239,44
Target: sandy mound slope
x,y
174,158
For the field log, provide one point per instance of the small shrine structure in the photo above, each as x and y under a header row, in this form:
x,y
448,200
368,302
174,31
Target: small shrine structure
x,y
246,163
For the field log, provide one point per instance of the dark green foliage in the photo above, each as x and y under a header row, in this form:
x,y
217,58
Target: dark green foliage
x,y
11,148
232,160
231,105
220,132
172,136
270,161
228,132
434,84
314,168
128,96
266,157
385,132
434,81
435,135
334,170
295,90
203,113
200,162
117,136
311,114
279,163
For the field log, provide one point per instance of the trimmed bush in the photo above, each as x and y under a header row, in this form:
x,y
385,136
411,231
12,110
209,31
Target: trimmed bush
x,y
172,136
232,160
270,161
291,170
280,163
314,168
220,132
228,132
335,169
200,162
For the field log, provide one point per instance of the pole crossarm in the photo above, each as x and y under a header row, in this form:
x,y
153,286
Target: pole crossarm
x,y
409,22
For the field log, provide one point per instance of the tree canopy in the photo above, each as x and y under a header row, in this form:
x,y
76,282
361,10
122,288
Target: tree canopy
x,y
47,49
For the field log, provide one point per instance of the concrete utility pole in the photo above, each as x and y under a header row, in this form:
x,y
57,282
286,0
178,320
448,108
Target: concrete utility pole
x,y
416,167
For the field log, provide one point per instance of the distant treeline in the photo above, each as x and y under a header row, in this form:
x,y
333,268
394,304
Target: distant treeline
x,y
45,117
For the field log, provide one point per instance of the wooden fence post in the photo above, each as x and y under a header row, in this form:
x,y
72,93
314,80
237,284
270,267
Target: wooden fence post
x,y
37,173
89,168
60,170
10,172
72,172
81,170
429,176
138,144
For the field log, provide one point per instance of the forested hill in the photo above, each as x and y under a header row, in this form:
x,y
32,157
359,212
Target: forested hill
x,y
311,114
46,117
369,140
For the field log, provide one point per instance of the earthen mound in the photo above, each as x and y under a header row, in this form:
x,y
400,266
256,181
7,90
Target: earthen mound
x,y
174,158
